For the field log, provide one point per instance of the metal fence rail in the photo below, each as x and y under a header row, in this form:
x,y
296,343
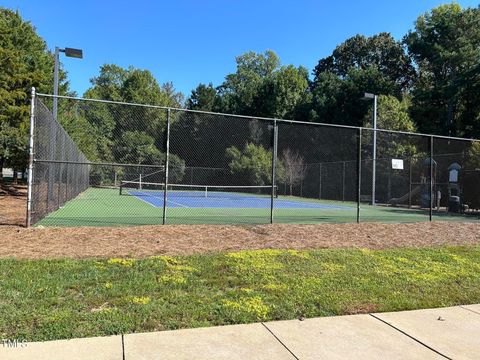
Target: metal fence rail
x,y
260,170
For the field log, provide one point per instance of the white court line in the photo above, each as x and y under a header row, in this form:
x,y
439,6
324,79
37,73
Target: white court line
x,y
160,198
308,205
248,197
173,202
139,198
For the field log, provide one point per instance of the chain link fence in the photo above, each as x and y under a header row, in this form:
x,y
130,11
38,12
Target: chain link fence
x,y
104,163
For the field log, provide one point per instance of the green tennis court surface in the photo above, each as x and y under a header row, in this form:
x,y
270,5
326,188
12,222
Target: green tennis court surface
x,y
105,207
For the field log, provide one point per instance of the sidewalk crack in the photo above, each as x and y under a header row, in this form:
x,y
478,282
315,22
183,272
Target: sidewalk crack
x,y
280,341
465,308
410,336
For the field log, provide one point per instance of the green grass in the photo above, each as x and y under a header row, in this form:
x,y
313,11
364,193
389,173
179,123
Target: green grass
x,y
105,207
55,299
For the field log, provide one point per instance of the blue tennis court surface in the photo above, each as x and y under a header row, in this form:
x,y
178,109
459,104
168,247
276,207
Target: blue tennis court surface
x,y
184,199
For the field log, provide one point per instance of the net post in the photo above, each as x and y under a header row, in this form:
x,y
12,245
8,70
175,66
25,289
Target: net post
x,y
167,150
30,159
359,172
431,179
274,163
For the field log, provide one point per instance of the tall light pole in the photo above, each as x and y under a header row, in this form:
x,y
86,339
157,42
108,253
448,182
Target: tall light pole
x,y
374,97
69,52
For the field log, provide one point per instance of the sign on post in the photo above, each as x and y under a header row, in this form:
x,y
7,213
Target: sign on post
x,y
397,164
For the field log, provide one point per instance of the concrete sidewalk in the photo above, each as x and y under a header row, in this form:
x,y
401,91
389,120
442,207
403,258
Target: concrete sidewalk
x,y
445,333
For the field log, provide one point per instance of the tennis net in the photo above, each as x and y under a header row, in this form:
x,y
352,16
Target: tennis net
x,y
138,188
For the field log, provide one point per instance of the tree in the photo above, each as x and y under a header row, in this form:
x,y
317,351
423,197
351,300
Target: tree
x,y
473,156
239,89
282,94
380,51
376,64
111,122
203,97
337,100
24,62
12,147
445,46
393,114
259,87
253,165
295,169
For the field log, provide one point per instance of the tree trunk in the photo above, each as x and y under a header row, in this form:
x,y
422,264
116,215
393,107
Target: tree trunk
x,y
15,177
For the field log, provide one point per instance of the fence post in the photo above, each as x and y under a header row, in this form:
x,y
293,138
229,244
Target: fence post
x,y
30,159
359,172
320,181
167,150
431,178
60,172
52,167
343,181
66,182
410,183
274,164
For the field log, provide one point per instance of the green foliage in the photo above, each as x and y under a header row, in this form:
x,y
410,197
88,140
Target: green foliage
x,y
392,114
253,165
473,156
261,87
239,89
445,46
13,151
203,97
439,74
24,62
124,133
379,51
284,94
130,295
337,100
137,147
361,64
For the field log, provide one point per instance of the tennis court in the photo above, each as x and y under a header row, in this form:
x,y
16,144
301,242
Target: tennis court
x,y
106,207
223,169
227,197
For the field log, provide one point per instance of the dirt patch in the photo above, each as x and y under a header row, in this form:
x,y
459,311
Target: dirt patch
x,y
13,204
362,308
143,241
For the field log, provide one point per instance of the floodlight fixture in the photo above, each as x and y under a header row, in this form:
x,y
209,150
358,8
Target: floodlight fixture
x,y
69,52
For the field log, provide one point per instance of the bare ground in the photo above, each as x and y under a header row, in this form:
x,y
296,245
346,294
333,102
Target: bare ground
x,y
143,241
13,204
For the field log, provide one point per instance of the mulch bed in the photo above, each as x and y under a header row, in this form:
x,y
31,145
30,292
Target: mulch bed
x,y
143,241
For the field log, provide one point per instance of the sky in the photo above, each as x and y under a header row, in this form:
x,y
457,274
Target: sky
x,y
192,42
